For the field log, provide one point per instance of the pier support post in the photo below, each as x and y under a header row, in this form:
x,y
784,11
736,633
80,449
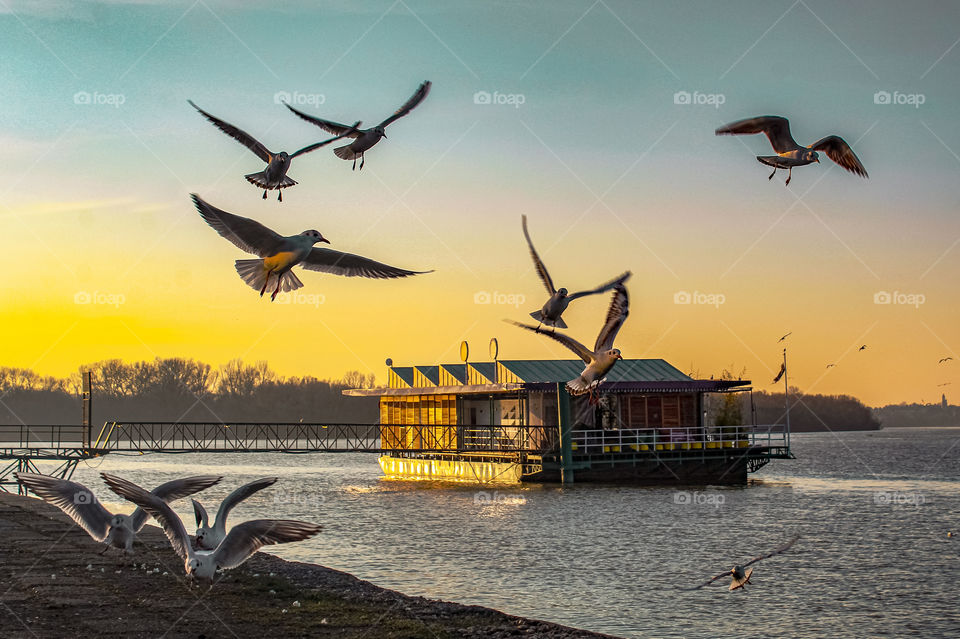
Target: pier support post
x,y
566,435
87,407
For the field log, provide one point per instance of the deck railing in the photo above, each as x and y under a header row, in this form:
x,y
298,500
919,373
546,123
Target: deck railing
x,y
666,439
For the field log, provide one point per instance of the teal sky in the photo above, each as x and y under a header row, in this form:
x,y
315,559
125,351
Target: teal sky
x,y
611,171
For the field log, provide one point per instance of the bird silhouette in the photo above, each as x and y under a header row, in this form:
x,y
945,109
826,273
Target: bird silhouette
x,y
944,359
740,577
785,337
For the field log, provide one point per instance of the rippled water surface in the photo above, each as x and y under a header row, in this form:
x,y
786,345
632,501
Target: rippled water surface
x,y
873,510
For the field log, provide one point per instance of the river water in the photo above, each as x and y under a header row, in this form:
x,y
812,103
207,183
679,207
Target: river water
x,y
872,510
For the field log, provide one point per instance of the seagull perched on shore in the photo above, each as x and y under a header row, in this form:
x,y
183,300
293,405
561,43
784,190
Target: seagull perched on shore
x,y
364,138
81,505
209,537
279,254
559,298
275,175
740,577
789,153
602,358
240,544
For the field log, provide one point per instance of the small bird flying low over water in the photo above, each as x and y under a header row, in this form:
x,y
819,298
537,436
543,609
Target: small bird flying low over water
x,y
740,577
789,153
275,175
364,138
560,298
279,254
240,544
601,359
209,537
81,505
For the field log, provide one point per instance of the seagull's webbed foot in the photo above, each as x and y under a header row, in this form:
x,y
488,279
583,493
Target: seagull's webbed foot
x,y
276,290
789,175
279,195
105,549
362,160
354,164
264,195
772,174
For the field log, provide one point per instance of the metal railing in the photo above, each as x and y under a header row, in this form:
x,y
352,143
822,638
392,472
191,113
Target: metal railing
x,y
19,440
678,439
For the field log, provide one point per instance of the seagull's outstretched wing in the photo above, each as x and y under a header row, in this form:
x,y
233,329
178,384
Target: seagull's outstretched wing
x,y
239,495
246,234
237,134
156,508
603,288
409,105
200,513
74,499
582,351
840,152
314,147
711,580
619,309
783,548
537,262
328,125
776,128
247,538
350,265
172,491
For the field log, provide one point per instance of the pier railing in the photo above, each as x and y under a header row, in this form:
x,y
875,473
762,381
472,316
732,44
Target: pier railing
x,y
668,439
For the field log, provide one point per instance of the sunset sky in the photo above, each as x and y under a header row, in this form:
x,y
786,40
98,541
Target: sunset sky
x,y
107,258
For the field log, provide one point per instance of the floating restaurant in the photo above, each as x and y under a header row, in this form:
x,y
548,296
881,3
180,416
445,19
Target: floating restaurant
x,y
510,421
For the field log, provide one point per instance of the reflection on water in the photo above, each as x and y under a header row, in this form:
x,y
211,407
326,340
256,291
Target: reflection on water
x,y
872,509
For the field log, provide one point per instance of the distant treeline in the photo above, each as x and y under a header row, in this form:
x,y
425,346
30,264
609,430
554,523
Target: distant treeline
x,y
183,390
810,413
899,415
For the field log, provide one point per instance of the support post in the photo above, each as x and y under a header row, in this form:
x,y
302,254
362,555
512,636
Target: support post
x,y
87,407
566,435
786,398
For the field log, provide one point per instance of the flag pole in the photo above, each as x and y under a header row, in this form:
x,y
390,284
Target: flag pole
x,y
786,398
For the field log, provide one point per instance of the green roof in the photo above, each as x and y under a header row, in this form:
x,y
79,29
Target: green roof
x,y
458,371
432,373
487,369
404,372
628,370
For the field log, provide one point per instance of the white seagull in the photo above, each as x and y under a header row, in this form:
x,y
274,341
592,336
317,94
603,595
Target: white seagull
x,y
209,537
279,254
740,577
275,175
789,153
82,506
365,138
240,544
601,359
559,298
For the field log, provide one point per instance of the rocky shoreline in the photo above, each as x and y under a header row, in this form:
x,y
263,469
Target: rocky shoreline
x,y
56,585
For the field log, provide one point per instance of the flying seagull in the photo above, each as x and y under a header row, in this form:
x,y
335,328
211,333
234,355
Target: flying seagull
x,y
785,337
862,348
783,369
364,138
741,577
209,537
789,153
275,175
240,544
279,254
945,359
601,359
82,506
830,365
559,298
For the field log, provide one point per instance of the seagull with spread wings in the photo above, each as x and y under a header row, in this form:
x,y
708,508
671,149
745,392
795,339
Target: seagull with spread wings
x,y
739,575
944,359
364,138
559,297
789,153
209,537
240,544
279,254
275,175
81,505
602,358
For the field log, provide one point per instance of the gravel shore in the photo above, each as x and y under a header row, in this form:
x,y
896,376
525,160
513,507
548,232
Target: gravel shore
x,y
56,585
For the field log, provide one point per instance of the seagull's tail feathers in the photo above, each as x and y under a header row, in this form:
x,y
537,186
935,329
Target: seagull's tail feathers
x,y
260,179
256,276
290,282
557,323
345,153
